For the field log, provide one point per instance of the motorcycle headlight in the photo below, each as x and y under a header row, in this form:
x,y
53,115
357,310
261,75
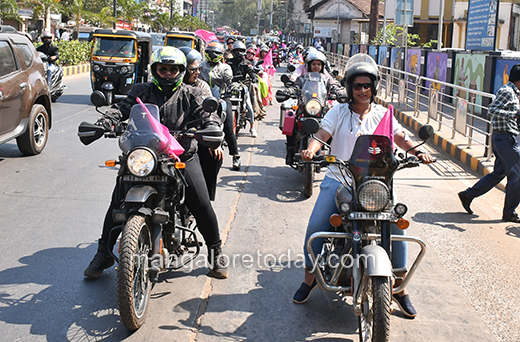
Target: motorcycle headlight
x,y
313,107
140,162
373,195
96,68
124,70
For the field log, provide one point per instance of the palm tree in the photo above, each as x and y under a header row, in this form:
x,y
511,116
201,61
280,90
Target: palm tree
x,y
44,7
103,19
9,10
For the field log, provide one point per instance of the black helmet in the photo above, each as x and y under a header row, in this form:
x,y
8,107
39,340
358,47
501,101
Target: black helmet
x,y
171,56
214,52
315,55
238,49
361,64
191,57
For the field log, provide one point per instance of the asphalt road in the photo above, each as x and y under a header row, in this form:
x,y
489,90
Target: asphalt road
x,y
52,207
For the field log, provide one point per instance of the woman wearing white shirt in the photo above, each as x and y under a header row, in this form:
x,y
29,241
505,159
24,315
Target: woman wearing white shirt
x,y
344,123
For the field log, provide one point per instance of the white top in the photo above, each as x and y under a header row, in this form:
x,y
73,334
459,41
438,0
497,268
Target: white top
x,y
344,126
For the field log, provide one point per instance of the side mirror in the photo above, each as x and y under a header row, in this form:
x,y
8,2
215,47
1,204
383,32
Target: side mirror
x,y
310,125
88,133
291,68
98,99
210,104
281,96
426,132
285,79
333,65
260,62
335,73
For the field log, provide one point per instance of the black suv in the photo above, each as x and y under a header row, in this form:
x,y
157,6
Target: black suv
x,y
25,100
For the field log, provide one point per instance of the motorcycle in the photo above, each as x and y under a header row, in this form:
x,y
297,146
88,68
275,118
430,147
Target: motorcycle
x,y
356,256
56,85
276,57
157,229
238,104
311,102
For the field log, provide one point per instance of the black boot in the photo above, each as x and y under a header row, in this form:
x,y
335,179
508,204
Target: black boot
x,y
101,261
217,262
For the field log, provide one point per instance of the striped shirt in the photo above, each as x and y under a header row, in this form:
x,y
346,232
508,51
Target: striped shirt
x,y
504,109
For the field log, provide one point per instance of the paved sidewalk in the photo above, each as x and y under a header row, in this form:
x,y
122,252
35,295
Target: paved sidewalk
x,y
456,147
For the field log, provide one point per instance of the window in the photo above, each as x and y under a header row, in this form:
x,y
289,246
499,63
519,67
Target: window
x,y
27,54
7,61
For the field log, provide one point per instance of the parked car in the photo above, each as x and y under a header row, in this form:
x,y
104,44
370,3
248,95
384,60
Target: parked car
x,y
25,99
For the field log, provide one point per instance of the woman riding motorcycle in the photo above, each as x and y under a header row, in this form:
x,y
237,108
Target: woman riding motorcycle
x,y
210,160
219,76
180,109
344,123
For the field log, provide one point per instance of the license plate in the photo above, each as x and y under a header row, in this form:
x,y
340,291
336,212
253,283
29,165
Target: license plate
x,y
372,216
153,178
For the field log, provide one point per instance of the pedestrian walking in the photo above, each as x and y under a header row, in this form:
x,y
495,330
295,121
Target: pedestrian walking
x,y
503,111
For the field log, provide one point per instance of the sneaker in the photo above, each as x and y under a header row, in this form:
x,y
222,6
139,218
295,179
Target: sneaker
x,y
253,132
466,201
304,292
236,163
102,260
405,305
218,263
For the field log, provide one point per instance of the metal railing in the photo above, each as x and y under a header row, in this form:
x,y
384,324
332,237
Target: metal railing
x,y
462,110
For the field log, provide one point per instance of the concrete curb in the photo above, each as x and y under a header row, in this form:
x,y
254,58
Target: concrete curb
x,y
477,164
76,69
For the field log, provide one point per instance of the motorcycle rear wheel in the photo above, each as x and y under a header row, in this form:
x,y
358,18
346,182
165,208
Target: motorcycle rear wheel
x,y
133,282
374,321
309,179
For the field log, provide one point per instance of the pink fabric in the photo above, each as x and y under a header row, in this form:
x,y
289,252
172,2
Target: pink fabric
x,y
268,63
174,148
386,126
206,36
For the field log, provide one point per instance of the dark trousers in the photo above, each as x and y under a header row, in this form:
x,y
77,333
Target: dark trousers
x,y
229,134
507,164
210,169
197,201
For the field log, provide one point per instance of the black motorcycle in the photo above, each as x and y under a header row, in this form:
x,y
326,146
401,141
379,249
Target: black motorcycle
x,y
157,229
356,256
311,101
56,85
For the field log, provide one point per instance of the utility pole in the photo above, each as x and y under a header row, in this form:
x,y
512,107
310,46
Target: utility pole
x,y
439,37
271,17
115,14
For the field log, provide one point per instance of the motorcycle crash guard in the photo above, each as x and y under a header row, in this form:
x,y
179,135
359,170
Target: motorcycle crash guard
x,y
375,261
139,194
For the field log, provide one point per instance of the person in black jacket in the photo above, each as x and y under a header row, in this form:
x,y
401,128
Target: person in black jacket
x,y
180,108
51,51
244,72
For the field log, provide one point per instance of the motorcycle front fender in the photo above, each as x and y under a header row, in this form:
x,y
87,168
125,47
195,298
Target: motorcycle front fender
x,y
375,261
139,194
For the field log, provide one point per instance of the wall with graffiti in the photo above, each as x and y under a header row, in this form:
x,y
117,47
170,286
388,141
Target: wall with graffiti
x,y
436,68
469,73
502,70
383,56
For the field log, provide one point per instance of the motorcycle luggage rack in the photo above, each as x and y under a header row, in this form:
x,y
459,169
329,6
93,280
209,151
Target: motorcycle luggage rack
x,y
322,284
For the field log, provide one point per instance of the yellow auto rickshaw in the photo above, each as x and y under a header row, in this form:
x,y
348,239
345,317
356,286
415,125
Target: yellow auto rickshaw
x,y
119,59
181,38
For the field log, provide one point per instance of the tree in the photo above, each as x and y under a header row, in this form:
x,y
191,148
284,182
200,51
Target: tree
x,y
391,36
9,10
44,8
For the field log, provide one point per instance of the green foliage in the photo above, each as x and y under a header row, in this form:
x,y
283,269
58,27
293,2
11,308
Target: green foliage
x,y
9,10
430,44
72,52
391,36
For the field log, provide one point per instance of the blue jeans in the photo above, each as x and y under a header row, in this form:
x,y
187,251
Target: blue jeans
x,y
507,164
319,221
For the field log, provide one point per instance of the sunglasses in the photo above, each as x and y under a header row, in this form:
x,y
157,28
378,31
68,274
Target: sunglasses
x,y
195,69
164,70
230,43
358,86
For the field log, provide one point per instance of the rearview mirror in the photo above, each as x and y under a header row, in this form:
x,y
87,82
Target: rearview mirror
x,y
310,125
285,79
291,68
98,99
426,132
210,104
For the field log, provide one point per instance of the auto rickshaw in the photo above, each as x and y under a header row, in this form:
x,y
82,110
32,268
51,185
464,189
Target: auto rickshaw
x,y
119,59
181,38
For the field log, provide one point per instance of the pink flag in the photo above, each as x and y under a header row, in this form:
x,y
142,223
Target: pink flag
x,y
268,63
174,148
386,126
206,36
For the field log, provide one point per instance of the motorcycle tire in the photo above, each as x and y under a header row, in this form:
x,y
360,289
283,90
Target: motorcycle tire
x,y
34,139
309,180
376,299
133,283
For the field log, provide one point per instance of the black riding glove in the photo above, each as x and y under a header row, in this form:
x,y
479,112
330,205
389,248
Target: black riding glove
x,y
110,118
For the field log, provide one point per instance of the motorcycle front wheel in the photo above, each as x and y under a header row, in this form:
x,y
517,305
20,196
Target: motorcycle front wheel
x,y
309,179
374,321
133,281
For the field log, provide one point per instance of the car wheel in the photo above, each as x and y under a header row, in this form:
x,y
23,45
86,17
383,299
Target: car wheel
x,y
33,140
